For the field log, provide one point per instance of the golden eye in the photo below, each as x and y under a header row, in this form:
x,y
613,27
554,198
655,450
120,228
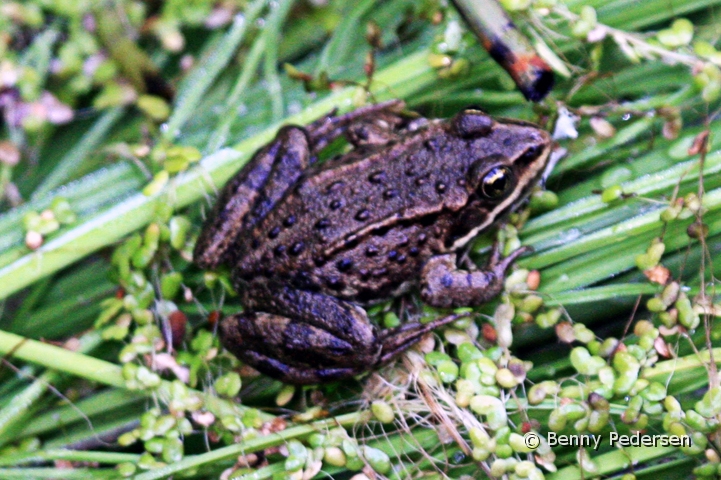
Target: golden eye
x,y
497,182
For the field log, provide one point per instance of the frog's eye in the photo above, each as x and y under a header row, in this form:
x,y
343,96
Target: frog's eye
x,y
497,182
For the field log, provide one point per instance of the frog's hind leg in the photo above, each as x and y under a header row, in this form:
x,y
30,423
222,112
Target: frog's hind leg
x,y
251,194
301,337
265,342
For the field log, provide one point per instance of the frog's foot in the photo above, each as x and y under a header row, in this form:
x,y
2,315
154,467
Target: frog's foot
x,y
444,285
499,263
295,375
396,340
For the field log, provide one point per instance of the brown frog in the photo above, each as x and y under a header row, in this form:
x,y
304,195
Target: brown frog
x,y
308,243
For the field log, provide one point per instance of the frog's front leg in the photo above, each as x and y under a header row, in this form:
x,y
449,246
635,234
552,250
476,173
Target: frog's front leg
x,y
444,285
251,194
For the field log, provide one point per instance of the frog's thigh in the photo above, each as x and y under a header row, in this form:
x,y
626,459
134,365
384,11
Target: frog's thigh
x,y
444,285
255,188
282,346
340,319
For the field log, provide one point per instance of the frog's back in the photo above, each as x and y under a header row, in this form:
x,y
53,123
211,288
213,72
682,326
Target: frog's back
x,y
370,200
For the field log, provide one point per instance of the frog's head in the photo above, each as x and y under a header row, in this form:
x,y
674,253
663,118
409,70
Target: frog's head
x,y
506,160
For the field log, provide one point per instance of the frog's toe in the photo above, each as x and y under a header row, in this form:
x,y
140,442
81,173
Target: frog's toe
x,y
500,264
295,375
397,340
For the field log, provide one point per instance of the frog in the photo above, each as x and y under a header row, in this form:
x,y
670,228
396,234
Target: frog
x,y
310,244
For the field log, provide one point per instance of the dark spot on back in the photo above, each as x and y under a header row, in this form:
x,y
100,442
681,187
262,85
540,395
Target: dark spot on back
x,y
413,252
279,250
344,264
322,223
440,187
362,215
274,232
320,261
289,221
336,204
335,283
447,280
371,251
297,248
377,177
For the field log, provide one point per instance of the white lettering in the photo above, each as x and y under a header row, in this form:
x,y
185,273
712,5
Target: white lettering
x,y
586,441
637,440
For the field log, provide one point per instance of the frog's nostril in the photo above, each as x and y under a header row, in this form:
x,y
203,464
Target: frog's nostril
x,y
530,154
